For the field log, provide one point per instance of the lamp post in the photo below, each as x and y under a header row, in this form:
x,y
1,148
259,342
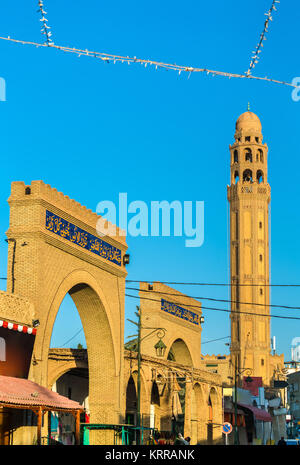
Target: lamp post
x,y
160,349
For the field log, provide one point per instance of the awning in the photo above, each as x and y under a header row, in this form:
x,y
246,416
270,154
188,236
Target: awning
x,y
258,413
19,392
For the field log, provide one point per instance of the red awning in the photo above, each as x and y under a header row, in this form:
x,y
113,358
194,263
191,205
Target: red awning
x,y
26,393
257,412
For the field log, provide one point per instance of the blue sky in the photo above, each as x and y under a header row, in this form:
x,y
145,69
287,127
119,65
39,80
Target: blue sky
x,y
93,130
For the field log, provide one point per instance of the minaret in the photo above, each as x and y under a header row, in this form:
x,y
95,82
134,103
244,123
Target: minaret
x,y
249,197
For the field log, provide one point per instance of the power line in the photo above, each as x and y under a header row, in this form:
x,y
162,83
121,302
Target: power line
x,y
214,299
214,340
72,337
210,284
256,56
111,58
201,307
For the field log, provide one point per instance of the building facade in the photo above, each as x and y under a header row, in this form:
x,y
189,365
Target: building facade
x,y
249,196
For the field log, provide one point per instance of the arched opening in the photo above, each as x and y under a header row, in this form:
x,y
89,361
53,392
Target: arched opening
x,y
67,329
212,410
180,353
247,176
235,157
260,176
236,177
95,326
131,408
196,420
73,384
131,402
248,155
155,407
260,156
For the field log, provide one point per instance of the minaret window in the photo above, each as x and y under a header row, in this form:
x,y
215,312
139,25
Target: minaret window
x,y
236,177
235,157
261,291
260,225
260,258
247,139
260,176
257,140
247,176
248,155
261,155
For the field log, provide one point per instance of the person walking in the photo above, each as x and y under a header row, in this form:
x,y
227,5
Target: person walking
x,y
281,442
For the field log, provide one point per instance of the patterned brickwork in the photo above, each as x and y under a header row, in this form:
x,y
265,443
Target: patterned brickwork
x,y
47,267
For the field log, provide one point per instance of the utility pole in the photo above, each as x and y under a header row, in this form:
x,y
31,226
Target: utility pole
x,y
138,414
160,348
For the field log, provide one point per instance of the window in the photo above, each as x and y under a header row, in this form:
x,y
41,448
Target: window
x,y
248,155
260,155
27,191
261,291
260,225
262,362
235,156
2,350
260,176
260,258
247,176
247,139
257,140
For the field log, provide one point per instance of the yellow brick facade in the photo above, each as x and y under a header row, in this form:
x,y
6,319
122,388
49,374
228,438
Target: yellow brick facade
x,y
249,196
46,267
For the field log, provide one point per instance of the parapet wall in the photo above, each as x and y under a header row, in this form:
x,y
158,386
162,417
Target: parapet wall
x,y
40,190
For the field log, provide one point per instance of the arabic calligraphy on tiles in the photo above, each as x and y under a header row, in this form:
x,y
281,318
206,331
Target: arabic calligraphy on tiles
x,y
180,312
82,238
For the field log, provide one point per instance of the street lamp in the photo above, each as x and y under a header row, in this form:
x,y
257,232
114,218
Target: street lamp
x,y
160,349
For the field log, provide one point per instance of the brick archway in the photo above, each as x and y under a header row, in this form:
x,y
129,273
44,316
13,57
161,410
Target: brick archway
x,y
54,249
179,349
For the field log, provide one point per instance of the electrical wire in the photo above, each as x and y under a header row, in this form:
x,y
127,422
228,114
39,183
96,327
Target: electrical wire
x,y
214,340
209,284
214,299
201,307
69,340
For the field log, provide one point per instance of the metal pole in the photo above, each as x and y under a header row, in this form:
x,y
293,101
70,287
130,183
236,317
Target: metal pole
x,y
138,422
236,433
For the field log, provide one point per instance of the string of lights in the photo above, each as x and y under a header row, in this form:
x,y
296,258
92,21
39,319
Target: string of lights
x,y
256,54
110,58
45,28
201,307
214,299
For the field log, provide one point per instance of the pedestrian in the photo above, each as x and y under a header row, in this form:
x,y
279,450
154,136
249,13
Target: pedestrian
x,y
187,441
179,441
281,442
